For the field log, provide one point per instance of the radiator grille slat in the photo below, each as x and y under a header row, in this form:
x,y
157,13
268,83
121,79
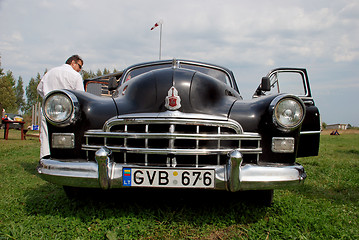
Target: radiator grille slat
x,y
174,142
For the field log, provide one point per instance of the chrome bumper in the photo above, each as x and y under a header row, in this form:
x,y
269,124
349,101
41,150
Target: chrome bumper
x,y
232,177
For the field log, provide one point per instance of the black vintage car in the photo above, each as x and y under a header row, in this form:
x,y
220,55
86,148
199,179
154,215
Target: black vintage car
x,y
182,124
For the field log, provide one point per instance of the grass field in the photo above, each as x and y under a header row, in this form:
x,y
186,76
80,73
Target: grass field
x,y
325,207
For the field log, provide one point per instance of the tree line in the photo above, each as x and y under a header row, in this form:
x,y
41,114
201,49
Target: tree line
x,y
14,98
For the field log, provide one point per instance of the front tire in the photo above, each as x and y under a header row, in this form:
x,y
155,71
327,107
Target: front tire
x,y
261,197
75,192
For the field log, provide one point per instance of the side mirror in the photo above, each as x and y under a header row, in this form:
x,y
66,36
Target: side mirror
x,y
112,84
265,84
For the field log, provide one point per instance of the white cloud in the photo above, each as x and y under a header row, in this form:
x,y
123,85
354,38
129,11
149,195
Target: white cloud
x,y
347,49
246,36
16,37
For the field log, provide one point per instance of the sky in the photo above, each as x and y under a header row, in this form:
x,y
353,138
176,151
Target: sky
x,y
250,37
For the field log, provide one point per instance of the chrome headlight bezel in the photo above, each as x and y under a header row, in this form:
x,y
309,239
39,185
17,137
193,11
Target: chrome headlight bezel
x,y
61,108
288,112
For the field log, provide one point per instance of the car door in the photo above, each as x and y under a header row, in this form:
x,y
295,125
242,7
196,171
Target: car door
x,y
295,81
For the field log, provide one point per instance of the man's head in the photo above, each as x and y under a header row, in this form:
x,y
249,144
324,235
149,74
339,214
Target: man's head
x,y
76,62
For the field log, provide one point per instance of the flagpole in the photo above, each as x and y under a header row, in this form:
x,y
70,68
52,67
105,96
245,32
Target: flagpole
x,y
159,23
160,41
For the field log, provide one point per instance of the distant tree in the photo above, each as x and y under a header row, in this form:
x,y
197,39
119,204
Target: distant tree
x,y
105,71
90,74
98,73
7,91
9,75
31,93
19,94
87,75
324,125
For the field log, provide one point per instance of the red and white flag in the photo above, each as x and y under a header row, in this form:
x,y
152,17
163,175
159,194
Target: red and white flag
x,y
156,24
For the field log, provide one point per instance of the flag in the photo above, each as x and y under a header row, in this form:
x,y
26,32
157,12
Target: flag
x,y
156,24
126,172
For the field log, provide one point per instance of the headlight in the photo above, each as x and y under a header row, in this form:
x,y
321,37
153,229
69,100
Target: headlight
x,y
288,113
60,109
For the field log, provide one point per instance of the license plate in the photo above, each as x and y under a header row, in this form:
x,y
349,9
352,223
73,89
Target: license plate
x,y
168,178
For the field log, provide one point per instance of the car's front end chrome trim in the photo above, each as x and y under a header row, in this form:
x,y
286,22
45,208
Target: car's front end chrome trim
x,y
310,132
104,162
234,170
232,176
197,139
172,117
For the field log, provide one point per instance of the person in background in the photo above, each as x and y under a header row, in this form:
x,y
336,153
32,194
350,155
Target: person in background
x,y
66,76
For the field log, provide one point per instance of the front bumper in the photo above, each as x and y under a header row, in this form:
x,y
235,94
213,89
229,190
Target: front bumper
x,y
233,176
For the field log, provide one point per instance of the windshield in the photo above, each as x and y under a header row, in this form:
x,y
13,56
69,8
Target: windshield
x,y
213,72
143,69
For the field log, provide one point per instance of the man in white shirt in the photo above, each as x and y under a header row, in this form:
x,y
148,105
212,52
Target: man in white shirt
x,y
66,76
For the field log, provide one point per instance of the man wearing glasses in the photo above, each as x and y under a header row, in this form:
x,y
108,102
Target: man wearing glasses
x,y
66,76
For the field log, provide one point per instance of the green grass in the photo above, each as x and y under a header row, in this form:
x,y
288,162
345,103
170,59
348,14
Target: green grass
x,y
325,207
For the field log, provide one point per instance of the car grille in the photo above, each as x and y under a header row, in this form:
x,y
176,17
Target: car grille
x,y
172,142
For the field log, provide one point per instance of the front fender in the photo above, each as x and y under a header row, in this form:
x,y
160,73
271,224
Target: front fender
x,y
94,112
251,114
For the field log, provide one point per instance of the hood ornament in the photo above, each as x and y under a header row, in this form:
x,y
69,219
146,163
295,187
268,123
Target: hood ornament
x,y
173,101
175,63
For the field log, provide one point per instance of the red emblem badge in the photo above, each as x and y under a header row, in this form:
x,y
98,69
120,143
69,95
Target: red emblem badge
x,y
173,101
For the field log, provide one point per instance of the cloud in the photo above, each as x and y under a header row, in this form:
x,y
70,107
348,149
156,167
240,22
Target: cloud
x,y
347,49
249,37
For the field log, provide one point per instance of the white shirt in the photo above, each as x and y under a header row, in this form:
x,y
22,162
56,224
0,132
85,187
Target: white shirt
x,y
62,77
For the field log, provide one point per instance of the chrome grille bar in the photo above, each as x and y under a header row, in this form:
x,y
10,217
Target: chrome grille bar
x,y
164,151
171,138
197,145
125,145
195,136
146,145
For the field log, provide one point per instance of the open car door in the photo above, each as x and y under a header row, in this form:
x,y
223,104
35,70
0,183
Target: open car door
x,y
295,81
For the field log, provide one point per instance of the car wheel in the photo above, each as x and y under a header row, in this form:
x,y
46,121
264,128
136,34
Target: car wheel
x,y
75,192
260,197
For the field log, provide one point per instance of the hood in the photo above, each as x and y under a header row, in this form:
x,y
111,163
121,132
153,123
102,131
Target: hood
x,y
178,89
